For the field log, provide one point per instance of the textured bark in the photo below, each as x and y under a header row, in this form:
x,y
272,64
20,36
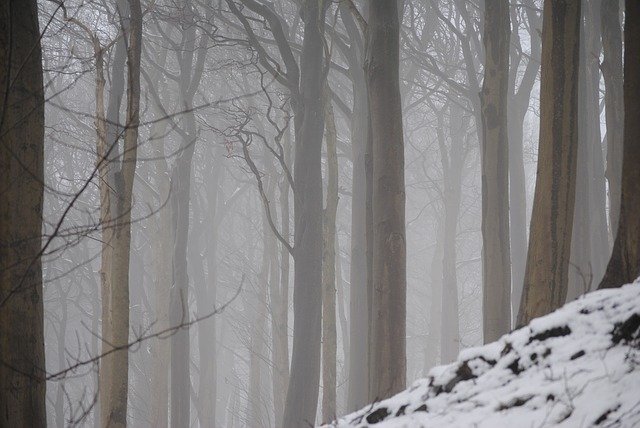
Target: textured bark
x,y
388,341
614,106
496,255
624,266
22,365
302,393
546,275
329,339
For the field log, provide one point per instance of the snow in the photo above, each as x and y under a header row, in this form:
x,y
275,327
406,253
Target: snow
x,y
576,367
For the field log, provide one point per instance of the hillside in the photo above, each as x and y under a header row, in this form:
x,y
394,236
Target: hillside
x,y
576,367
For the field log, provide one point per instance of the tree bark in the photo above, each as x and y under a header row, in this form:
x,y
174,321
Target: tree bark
x,y
589,246
546,275
614,106
358,312
518,105
452,164
496,255
329,339
624,266
388,361
22,359
302,393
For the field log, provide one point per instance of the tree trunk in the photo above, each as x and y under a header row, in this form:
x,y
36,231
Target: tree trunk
x,y
302,393
388,363
109,133
518,105
121,241
358,313
22,364
546,275
624,266
453,165
614,107
329,340
161,254
589,248
496,256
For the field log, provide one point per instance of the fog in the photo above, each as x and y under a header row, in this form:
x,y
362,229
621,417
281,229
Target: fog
x,y
236,99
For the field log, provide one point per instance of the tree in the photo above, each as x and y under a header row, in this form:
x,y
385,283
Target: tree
x,y
614,106
116,220
624,265
22,364
496,256
546,274
388,339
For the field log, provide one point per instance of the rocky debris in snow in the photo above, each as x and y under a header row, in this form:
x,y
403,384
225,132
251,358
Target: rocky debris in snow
x,y
576,367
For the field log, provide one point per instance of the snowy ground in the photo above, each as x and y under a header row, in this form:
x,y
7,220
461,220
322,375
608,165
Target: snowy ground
x,y
577,367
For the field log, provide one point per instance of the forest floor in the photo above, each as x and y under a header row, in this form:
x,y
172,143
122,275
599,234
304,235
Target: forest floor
x,y
576,367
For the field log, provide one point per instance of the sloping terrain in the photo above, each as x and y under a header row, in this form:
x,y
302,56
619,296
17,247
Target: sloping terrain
x,y
576,367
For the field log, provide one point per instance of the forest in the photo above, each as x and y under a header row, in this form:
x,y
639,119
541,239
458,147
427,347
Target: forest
x,y
290,213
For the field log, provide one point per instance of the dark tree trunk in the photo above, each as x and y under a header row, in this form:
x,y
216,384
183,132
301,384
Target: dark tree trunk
x,y
624,266
22,365
388,341
613,101
546,275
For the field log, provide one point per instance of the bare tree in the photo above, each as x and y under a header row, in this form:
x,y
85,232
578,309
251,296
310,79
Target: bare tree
x,y
546,276
496,255
387,373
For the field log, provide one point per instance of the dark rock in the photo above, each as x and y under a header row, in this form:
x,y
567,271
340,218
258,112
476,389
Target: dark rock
x,y
378,415
628,331
552,332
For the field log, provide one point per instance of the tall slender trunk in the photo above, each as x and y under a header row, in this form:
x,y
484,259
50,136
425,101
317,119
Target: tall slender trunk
x,y
624,266
614,107
119,299
589,248
358,312
496,253
280,304
22,364
329,339
161,254
453,166
109,130
433,345
302,393
546,275
518,105
388,342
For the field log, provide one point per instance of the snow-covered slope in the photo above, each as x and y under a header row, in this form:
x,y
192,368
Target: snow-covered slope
x,y
577,367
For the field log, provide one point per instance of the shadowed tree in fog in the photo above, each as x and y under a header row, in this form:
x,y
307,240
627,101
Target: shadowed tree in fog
x,y
624,266
546,277
22,386
387,372
496,260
